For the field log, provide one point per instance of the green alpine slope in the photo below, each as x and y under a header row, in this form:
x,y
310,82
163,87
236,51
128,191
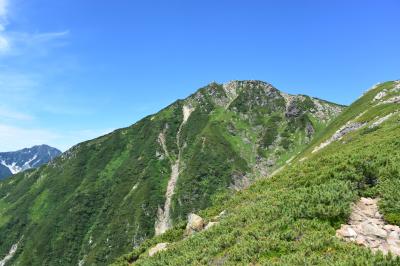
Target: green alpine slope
x,y
106,196
291,218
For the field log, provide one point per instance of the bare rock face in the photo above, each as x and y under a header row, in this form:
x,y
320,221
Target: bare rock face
x,y
195,224
240,182
158,248
382,119
344,130
383,97
367,228
310,130
395,99
293,110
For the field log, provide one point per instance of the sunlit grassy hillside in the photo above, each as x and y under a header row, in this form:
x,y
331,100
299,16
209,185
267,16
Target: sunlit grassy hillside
x,y
291,218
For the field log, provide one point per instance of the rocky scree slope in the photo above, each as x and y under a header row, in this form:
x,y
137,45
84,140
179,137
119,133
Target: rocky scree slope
x,y
17,161
293,217
105,196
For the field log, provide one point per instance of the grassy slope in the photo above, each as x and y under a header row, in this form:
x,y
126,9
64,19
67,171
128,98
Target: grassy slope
x,y
100,199
82,205
291,218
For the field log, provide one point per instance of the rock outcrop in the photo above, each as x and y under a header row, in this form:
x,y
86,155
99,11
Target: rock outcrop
x,y
395,99
158,248
346,129
384,96
366,227
381,120
195,224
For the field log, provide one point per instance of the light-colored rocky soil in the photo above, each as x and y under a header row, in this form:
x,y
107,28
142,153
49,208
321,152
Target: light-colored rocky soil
x,y
395,99
9,255
163,221
322,110
381,120
161,141
380,95
346,129
187,111
366,227
158,248
381,98
231,92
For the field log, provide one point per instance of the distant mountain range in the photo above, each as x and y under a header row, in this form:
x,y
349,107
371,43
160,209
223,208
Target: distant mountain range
x,y
17,161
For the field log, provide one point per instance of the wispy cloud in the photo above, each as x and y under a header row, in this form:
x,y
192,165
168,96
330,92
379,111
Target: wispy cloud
x,y
31,90
4,44
21,43
14,43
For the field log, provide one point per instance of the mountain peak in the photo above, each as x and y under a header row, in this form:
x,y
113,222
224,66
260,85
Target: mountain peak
x,y
17,161
142,180
250,83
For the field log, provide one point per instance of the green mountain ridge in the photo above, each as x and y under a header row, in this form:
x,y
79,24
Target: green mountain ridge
x,y
291,218
106,196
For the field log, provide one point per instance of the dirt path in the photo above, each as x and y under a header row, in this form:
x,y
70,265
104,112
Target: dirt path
x,y
366,227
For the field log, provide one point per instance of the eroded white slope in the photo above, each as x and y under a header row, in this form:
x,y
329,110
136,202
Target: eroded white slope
x,y
163,222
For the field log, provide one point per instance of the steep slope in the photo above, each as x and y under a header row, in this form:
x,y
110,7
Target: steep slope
x,y
104,197
291,218
18,161
4,172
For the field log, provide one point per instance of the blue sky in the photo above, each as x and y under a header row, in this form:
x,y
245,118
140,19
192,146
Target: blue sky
x,y
71,70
